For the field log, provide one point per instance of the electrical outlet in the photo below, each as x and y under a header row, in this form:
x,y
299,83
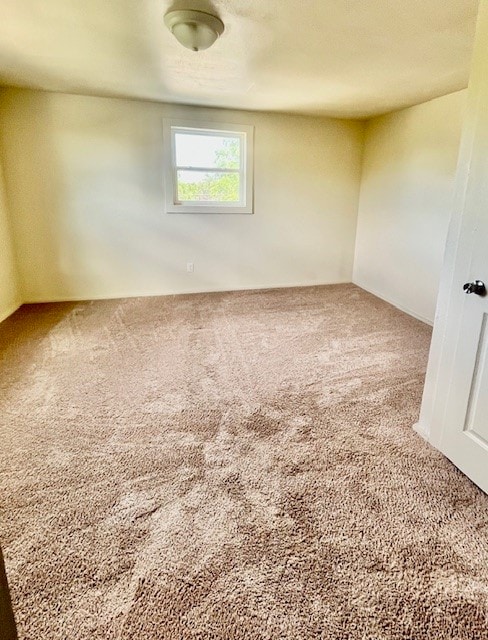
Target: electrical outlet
x,y
189,267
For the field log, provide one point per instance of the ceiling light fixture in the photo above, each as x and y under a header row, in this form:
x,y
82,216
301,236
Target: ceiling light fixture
x,y
195,30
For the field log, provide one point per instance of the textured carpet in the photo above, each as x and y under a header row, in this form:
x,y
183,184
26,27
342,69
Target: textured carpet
x,y
231,466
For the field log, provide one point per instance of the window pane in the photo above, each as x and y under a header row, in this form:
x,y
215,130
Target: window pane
x,y
207,151
197,186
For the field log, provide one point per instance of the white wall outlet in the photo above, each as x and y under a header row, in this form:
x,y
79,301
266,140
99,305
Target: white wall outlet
x,y
189,267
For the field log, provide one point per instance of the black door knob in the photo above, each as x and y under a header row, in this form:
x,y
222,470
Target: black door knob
x,y
476,287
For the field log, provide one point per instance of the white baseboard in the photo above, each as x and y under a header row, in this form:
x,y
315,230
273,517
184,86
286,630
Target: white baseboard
x,y
418,428
132,294
396,304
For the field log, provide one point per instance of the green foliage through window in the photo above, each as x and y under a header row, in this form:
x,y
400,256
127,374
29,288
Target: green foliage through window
x,y
212,186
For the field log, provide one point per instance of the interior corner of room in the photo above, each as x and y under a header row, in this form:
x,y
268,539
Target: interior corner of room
x,y
10,294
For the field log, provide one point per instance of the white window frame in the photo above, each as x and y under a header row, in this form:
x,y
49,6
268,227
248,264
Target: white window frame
x,y
246,169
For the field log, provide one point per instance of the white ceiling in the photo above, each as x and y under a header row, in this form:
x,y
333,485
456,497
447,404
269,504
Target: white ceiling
x,y
346,58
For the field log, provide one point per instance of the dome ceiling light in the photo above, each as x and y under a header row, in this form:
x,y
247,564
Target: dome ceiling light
x,y
195,30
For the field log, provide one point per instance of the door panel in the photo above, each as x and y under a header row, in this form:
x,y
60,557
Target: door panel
x,y
465,433
476,425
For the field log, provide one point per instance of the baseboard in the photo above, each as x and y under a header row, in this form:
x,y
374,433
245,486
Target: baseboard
x,y
182,292
8,312
418,428
394,303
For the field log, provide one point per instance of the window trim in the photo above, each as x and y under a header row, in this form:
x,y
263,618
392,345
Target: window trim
x,y
246,172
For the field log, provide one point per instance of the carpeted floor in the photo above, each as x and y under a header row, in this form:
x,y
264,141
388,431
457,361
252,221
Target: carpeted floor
x,y
231,466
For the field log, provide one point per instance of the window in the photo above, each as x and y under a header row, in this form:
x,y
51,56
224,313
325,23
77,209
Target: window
x,y
208,168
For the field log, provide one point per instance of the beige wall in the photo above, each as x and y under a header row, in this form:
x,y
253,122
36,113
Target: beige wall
x,y
9,291
85,179
409,167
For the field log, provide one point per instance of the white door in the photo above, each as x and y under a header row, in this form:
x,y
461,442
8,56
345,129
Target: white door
x,y
464,436
462,431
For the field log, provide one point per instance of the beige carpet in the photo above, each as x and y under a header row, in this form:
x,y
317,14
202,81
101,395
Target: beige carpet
x,y
231,466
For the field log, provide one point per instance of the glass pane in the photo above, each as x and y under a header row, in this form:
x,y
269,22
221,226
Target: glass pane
x,y
207,151
199,186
